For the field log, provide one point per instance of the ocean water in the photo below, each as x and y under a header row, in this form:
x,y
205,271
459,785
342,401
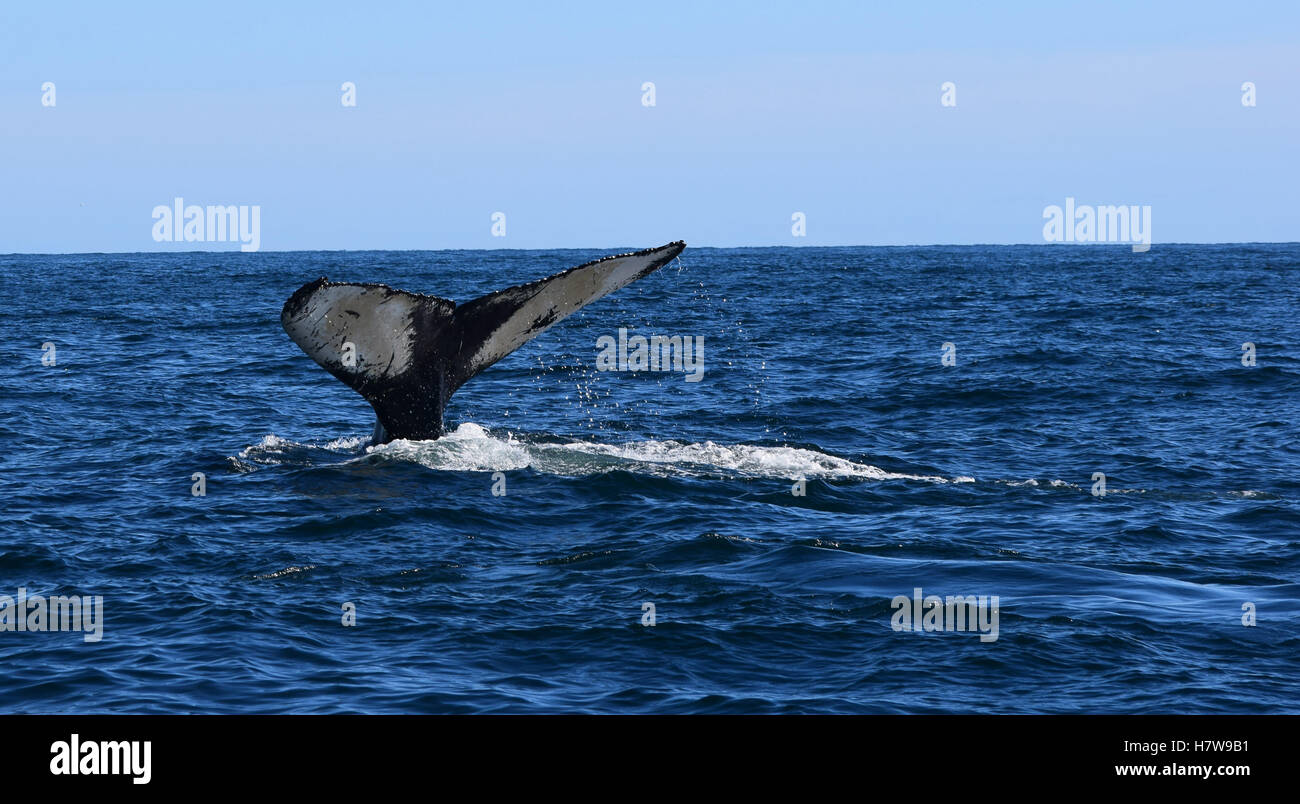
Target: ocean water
x,y
625,489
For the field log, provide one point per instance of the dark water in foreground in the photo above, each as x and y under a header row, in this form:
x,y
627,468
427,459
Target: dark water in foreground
x,y
623,489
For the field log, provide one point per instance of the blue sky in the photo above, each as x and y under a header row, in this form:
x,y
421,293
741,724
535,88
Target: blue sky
x,y
762,110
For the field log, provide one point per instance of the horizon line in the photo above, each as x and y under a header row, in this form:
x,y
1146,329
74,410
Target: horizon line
x,y
1125,244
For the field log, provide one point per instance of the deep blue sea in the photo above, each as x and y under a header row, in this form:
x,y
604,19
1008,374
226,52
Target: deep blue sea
x,y
624,489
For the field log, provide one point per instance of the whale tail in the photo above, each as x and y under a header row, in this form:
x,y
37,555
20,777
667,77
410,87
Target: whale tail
x,y
407,353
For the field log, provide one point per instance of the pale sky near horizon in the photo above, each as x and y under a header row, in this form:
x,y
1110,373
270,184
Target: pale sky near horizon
x,y
761,110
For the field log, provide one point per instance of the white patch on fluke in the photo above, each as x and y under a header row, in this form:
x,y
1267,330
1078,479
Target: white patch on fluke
x,y
376,321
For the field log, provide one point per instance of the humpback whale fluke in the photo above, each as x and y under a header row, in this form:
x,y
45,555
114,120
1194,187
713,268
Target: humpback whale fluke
x,y
407,353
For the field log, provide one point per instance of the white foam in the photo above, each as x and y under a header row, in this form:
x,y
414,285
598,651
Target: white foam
x,y
741,459
269,443
1033,483
274,451
468,448
346,444
471,448
282,573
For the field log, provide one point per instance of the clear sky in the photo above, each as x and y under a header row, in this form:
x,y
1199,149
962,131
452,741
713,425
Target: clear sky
x,y
761,110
